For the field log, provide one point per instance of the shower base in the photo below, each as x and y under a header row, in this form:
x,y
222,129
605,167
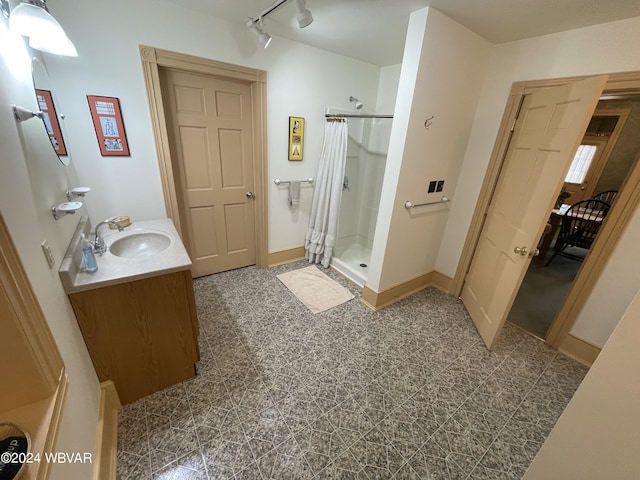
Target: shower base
x,y
353,263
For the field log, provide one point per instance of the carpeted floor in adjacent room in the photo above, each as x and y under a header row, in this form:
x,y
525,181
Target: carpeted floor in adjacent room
x,y
408,392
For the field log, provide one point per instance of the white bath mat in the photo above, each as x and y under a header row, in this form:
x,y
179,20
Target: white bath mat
x,y
315,289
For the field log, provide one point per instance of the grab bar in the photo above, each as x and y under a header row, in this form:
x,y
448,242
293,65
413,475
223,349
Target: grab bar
x,y
409,205
277,181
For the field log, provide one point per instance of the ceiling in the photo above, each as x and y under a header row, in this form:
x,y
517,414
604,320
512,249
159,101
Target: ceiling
x,y
374,30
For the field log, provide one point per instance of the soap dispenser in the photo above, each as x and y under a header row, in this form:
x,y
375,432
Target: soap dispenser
x,y
90,263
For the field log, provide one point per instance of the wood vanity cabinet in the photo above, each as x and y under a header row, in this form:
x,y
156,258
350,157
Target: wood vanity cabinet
x,y
143,334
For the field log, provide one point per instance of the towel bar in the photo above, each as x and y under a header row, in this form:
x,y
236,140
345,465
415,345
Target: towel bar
x,y
277,181
409,205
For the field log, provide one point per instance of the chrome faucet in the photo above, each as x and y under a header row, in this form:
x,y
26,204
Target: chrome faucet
x,y
98,242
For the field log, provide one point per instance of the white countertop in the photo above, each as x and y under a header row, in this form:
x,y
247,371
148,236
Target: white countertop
x,y
113,270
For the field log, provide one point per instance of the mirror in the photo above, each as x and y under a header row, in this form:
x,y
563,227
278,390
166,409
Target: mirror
x,y
53,121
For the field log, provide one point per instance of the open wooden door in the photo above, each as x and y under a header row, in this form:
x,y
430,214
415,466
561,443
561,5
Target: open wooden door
x,y
548,130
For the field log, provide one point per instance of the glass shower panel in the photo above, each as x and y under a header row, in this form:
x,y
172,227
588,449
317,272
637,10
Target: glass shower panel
x,y
366,161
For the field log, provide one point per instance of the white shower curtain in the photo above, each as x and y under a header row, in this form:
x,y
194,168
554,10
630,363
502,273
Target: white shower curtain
x,y
323,221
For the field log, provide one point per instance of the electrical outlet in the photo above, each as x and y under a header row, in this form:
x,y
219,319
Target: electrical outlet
x,y
48,254
440,186
432,186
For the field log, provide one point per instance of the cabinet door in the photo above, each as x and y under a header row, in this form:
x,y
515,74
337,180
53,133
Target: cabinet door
x,y
140,334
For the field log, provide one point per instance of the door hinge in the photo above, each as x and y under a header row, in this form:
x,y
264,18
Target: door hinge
x,y
464,282
515,120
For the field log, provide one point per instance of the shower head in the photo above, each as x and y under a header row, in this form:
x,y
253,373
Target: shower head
x,y
358,104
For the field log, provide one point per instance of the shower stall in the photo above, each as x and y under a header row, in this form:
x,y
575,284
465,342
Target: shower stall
x,y
361,188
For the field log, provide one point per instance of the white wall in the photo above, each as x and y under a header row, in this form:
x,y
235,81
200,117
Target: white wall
x,y
618,284
301,81
599,49
31,181
388,89
441,76
598,434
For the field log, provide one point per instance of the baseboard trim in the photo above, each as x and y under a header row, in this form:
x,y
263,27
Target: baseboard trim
x,y
285,256
579,349
107,433
56,411
442,282
378,300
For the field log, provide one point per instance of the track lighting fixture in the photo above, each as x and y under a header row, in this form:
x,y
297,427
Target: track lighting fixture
x,y
264,39
303,17
33,20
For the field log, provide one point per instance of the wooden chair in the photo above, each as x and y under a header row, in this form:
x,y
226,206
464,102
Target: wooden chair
x,y
607,196
579,227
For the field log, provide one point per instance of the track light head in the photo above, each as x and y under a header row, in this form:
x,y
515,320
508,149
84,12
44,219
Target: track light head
x,y
264,39
303,16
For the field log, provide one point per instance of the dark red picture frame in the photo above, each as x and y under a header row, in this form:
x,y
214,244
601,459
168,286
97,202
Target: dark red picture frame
x,y
50,118
109,126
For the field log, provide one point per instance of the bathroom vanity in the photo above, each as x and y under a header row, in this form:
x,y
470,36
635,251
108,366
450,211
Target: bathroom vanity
x,y
137,313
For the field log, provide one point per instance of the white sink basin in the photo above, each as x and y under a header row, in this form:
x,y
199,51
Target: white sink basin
x,y
141,244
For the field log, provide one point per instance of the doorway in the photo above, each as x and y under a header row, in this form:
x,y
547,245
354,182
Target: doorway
x,y
210,131
247,201
545,287
626,203
546,131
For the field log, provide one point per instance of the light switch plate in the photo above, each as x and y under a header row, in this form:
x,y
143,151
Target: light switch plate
x,y
48,254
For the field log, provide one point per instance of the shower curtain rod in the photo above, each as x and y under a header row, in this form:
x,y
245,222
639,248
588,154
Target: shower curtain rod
x,y
355,115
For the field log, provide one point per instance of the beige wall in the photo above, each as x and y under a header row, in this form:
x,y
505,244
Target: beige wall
x,y
598,435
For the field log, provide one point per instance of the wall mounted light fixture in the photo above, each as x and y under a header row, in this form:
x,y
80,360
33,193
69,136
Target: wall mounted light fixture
x,y
303,17
21,114
32,19
4,8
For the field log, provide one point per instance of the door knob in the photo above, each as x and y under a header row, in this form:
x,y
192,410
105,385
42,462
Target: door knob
x,y
534,253
250,195
521,250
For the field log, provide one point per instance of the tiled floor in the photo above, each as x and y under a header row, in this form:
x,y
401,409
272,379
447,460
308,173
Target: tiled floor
x,y
408,392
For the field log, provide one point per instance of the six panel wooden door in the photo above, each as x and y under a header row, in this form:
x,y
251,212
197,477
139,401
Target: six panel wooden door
x,y
550,126
210,122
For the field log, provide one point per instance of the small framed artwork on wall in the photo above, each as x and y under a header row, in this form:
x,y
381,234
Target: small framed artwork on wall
x,y
50,117
107,121
296,137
